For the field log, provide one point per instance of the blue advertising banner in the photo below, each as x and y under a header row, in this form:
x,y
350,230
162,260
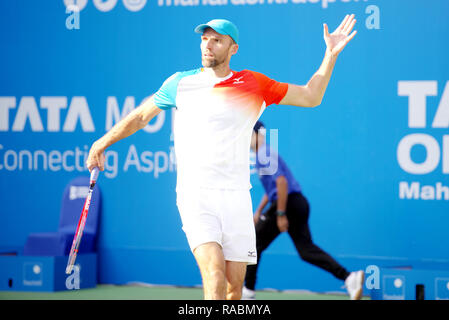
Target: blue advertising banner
x,y
372,159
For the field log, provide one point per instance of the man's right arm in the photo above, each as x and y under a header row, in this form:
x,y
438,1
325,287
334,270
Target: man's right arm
x,y
311,94
262,205
134,121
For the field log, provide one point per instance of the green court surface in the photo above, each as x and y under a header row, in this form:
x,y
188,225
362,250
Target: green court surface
x,y
139,292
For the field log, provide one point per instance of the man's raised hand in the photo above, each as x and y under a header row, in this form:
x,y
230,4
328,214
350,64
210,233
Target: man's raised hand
x,y
338,39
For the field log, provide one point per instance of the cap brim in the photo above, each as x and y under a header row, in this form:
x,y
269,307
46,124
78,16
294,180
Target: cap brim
x,y
201,28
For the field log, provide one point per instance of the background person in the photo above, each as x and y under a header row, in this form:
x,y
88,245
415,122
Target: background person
x,y
288,212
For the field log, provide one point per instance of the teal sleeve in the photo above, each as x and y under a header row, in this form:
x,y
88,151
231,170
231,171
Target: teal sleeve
x,y
165,97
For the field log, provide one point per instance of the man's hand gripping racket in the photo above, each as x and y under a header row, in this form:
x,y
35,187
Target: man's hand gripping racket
x,y
82,222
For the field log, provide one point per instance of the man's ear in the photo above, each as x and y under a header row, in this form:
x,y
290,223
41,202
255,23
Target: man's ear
x,y
234,48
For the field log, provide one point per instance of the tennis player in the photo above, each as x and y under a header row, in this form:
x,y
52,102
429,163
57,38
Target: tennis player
x,y
216,109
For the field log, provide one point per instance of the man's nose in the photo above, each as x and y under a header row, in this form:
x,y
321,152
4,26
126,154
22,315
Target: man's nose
x,y
208,44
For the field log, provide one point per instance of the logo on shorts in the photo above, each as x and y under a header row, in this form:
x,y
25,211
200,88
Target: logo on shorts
x,y
252,254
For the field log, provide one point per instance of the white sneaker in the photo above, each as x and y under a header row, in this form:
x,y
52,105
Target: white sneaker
x,y
354,284
248,294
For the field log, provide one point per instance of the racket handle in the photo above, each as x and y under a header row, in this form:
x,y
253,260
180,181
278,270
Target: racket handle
x,y
94,174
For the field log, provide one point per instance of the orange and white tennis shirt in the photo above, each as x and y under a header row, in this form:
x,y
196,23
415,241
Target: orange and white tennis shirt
x,y
213,123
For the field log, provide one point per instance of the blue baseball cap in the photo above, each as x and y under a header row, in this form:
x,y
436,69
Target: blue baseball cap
x,y
221,26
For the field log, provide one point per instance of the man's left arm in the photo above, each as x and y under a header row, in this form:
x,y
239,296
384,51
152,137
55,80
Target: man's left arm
x,y
311,94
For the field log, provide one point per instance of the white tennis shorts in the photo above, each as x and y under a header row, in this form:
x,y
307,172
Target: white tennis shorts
x,y
222,216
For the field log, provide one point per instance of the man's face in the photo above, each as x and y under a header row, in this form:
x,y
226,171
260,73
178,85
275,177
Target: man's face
x,y
216,48
253,141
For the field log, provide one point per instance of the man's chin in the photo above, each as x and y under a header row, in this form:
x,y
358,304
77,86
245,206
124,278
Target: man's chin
x,y
209,64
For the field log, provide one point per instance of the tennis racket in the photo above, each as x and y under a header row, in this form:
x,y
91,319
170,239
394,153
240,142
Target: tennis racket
x,y
81,222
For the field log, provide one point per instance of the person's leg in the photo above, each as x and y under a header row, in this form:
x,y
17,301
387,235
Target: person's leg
x,y
202,226
235,275
210,259
298,216
298,212
266,232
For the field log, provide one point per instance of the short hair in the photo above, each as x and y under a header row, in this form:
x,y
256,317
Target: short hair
x,y
259,125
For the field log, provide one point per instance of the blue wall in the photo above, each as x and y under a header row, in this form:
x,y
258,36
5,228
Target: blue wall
x,y
350,154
